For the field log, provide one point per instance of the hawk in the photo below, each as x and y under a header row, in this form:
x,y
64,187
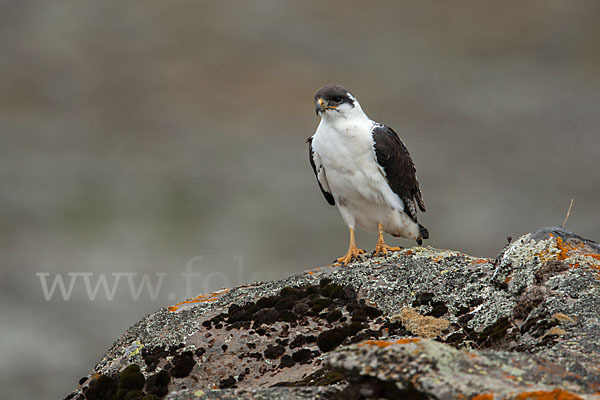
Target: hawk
x,y
364,169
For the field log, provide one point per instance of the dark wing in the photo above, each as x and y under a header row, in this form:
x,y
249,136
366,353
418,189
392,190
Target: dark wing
x,y
319,172
394,159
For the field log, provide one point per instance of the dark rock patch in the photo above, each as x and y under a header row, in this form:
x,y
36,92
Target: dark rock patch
x,y
227,383
372,388
332,338
438,309
549,269
531,298
157,384
287,361
152,356
274,351
103,387
183,364
494,333
200,352
131,378
423,299
302,356
128,385
298,341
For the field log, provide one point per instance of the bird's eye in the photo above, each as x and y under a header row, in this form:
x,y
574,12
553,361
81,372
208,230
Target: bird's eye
x,y
337,99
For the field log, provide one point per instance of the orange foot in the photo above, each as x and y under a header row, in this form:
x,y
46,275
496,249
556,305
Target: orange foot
x,y
383,249
352,254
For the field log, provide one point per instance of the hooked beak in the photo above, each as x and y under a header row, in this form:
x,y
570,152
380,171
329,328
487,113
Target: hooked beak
x,y
322,105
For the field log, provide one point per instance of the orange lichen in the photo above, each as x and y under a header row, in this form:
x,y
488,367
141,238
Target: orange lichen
x,y
564,250
385,343
568,250
508,279
407,340
560,245
556,394
483,396
479,261
200,299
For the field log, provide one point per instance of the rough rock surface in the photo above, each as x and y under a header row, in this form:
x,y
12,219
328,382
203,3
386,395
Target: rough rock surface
x,y
525,325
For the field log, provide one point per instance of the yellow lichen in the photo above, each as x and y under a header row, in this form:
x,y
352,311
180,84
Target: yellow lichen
x,y
563,318
555,331
427,327
133,349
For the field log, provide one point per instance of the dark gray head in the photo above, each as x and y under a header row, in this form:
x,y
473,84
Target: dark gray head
x,y
333,97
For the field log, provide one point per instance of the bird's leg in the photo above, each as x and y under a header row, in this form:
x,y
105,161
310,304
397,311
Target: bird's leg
x,y
381,247
352,254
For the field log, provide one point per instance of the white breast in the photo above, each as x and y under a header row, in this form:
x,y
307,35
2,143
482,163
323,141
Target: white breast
x,y
357,183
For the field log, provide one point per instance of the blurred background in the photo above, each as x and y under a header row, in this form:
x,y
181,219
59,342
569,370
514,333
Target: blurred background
x,y
150,138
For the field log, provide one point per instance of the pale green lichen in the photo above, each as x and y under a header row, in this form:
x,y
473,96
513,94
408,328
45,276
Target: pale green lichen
x,y
526,249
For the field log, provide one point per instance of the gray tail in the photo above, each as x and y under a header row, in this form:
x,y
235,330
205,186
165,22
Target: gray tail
x,y
424,234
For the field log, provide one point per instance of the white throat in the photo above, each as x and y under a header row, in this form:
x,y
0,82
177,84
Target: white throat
x,y
346,118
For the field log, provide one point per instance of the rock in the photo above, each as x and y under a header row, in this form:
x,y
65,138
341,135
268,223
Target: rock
x,y
406,366
525,325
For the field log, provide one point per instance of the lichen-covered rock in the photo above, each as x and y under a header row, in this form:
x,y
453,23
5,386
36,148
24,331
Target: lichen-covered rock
x,y
525,322
440,371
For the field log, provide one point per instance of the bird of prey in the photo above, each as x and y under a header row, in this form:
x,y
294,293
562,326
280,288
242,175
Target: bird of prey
x,y
364,168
